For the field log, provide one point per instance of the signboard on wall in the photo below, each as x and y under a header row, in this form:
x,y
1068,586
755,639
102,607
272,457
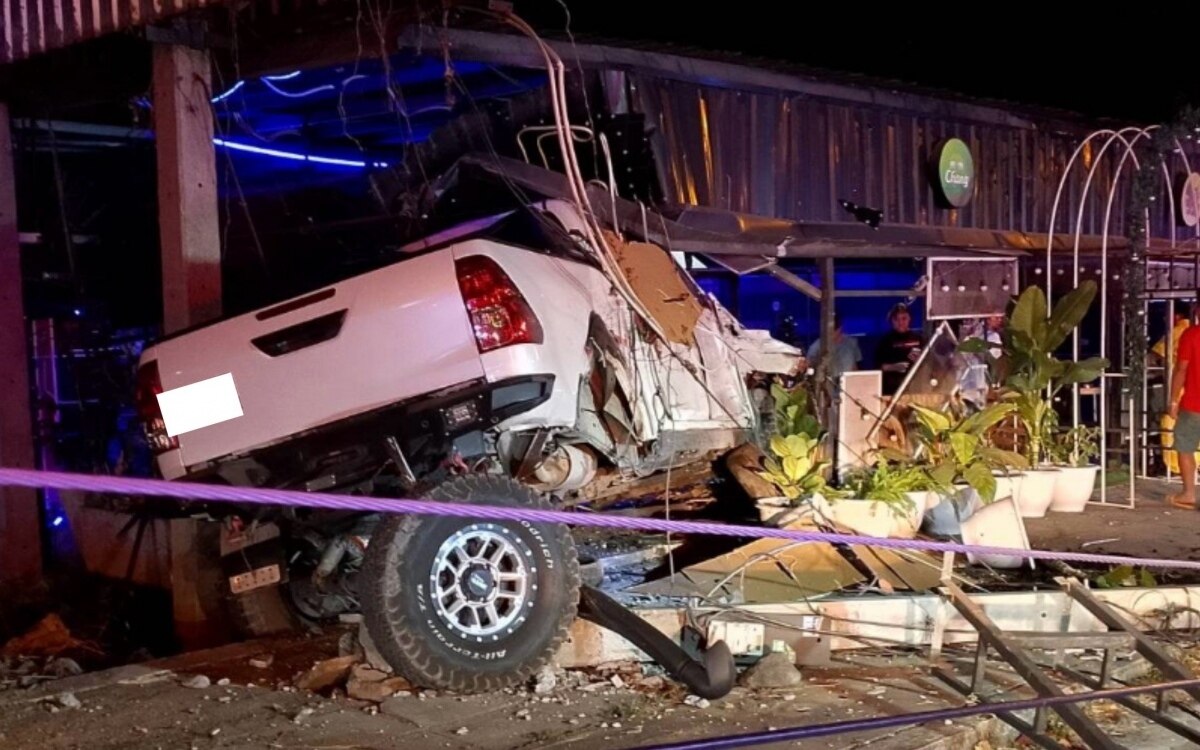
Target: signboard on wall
x,y
969,287
1189,200
953,169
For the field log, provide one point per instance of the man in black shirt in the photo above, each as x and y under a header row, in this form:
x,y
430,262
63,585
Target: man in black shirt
x,y
898,349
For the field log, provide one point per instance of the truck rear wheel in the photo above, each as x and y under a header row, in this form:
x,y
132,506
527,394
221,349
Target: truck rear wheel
x,y
470,606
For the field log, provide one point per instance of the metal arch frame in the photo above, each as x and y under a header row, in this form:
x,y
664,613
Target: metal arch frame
x,y
1129,137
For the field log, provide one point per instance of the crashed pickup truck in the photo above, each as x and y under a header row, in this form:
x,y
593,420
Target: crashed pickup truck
x,y
493,362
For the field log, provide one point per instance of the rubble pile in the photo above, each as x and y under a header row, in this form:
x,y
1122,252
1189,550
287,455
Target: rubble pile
x,y
21,672
38,655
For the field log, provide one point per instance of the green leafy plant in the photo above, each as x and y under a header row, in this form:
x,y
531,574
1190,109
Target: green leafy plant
x,y
889,483
1125,575
1075,447
956,449
795,467
793,412
1035,374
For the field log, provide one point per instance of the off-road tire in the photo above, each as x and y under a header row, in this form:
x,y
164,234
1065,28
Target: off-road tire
x,y
415,639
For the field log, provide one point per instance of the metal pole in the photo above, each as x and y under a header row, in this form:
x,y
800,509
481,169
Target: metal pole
x,y
829,389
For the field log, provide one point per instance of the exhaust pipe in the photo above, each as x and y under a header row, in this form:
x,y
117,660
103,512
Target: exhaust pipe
x,y
712,679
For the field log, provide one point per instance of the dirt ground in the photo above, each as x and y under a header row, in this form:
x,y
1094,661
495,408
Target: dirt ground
x,y
251,700
153,706
149,707
1151,529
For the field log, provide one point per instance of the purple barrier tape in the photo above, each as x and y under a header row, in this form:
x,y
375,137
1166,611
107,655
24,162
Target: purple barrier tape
x,y
938,716
257,496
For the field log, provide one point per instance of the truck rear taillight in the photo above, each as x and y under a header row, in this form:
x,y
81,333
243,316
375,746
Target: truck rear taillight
x,y
500,316
149,385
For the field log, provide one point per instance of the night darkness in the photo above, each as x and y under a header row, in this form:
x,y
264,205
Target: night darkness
x,y
1125,66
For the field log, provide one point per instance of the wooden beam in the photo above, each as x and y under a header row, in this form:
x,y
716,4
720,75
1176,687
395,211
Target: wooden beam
x,y
189,229
20,530
189,232
795,282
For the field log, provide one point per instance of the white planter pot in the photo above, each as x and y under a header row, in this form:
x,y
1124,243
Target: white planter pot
x,y
1036,492
996,525
945,513
907,526
1009,486
1073,488
866,517
773,511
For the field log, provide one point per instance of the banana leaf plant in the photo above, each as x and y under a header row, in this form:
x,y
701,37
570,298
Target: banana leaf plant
x,y
956,449
1034,374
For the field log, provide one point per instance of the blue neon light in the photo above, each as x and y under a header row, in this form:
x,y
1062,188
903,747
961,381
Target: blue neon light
x,y
297,94
58,521
282,77
229,92
293,156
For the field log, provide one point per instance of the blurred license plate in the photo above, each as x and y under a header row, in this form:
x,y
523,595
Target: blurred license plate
x,y
255,579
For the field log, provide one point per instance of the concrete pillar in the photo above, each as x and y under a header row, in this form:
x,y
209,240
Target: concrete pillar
x,y
20,530
189,233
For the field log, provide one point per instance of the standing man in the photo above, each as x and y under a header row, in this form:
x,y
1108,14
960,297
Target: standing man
x,y
844,354
1184,409
993,334
898,349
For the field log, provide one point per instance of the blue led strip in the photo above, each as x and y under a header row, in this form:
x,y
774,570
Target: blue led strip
x,y
294,156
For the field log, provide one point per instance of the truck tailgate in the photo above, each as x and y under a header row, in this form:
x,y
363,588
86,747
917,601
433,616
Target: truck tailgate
x,y
367,342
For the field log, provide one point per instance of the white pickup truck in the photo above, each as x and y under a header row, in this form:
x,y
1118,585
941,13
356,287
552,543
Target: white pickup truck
x,y
494,362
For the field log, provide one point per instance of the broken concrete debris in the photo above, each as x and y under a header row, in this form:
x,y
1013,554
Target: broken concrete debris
x,y
302,714
67,700
24,672
262,662
64,667
775,670
327,674
546,681
369,684
197,682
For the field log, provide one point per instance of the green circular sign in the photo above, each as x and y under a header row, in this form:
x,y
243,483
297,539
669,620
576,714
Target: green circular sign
x,y
955,172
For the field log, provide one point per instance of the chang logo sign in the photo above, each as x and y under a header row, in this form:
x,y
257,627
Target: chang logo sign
x,y
954,173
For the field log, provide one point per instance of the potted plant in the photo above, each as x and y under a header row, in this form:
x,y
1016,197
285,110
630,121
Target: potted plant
x,y
956,447
793,462
885,500
796,468
1034,376
1073,452
960,461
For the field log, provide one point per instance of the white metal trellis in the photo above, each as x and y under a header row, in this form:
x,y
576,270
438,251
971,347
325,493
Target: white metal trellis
x,y
1129,139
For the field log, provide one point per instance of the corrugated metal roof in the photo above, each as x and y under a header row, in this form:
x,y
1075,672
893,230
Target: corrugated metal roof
x,y
28,27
